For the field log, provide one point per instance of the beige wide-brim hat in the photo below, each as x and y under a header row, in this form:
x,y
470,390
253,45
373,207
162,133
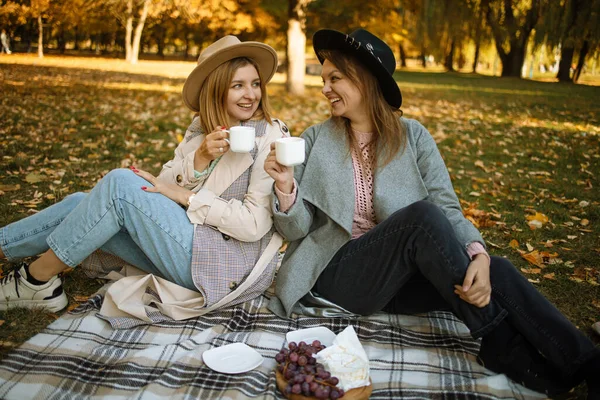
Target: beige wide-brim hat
x,y
221,51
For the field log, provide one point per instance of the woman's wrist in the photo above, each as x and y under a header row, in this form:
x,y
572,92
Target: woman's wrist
x,y
285,187
200,162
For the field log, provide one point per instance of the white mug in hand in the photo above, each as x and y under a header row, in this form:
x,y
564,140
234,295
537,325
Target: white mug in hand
x,y
290,151
241,138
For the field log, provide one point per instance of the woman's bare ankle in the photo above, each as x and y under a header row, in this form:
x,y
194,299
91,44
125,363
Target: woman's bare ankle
x,y
46,267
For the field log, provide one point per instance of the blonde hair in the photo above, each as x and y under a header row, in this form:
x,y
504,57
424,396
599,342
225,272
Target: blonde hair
x,y
389,136
213,95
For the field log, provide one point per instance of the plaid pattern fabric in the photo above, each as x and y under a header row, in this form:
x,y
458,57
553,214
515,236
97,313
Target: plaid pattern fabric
x,y
81,357
221,263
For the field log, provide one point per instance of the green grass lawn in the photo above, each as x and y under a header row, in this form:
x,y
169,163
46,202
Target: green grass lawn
x,y
514,148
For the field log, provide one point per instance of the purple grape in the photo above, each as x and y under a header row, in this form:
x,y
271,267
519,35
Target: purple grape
x,y
280,368
333,380
312,361
334,394
305,389
299,378
288,389
320,394
288,375
292,345
313,386
294,357
302,360
309,378
296,389
316,343
279,357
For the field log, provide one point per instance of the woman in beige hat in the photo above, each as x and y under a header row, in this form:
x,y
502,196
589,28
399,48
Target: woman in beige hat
x,y
375,225
204,223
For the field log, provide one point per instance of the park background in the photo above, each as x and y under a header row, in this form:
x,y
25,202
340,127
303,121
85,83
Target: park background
x,y
509,90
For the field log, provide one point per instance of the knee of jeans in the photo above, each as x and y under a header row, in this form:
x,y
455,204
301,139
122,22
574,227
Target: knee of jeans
x,y
121,177
425,211
75,197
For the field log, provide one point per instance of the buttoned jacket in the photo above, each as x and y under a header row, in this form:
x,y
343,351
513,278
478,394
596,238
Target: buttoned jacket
x,y
247,220
231,212
319,222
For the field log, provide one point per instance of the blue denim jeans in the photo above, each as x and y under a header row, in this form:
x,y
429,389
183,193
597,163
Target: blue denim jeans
x,y
410,262
145,229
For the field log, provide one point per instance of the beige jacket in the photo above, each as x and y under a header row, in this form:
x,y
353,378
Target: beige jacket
x,y
247,221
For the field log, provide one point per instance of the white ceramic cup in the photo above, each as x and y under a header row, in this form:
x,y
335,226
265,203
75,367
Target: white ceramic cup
x,y
241,138
290,151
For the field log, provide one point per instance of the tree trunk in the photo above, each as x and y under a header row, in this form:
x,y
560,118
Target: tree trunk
x,y
512,62
295,55
296,46
476,57
449,62
478,37
135,48
40,37
581,62
402,56
76,33
62,42
516,32
564,66
128,30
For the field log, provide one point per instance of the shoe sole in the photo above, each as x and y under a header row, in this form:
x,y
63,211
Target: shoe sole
x,y
52,305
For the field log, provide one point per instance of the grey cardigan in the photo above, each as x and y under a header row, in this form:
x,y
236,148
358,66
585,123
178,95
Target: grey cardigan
x,y
320,221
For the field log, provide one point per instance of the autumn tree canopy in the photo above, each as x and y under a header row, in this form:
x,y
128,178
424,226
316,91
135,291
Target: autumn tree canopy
x,y
449,31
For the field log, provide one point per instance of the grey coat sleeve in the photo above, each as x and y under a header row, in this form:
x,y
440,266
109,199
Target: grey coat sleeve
x,y
296,222
437,180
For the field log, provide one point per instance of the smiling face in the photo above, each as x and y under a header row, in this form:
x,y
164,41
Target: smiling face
x,y
244,94
344,96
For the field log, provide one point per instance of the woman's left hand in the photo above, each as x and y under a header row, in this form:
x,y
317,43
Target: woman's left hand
x,y
476,288
172,191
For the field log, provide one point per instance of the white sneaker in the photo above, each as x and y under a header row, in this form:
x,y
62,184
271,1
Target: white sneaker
x,y
15,291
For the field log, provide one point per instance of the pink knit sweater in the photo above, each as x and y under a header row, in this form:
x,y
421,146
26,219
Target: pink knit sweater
x,y
364,213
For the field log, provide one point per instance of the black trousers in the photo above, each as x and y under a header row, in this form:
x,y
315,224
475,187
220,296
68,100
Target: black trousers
x,y
410,263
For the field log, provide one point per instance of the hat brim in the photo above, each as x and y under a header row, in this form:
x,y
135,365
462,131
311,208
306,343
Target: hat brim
x,y
328,39
264,56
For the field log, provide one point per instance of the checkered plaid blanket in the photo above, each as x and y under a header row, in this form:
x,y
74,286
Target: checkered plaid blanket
x,y
80,356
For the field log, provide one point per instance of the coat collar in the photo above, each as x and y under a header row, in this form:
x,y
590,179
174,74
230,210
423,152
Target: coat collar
x,y
328,179
232,165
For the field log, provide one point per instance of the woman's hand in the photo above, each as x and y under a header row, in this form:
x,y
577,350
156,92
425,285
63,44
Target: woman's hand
x,y
172,191
282,175
476,288
212,147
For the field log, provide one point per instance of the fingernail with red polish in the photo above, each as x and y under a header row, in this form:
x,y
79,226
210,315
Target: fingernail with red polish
x,y
144,188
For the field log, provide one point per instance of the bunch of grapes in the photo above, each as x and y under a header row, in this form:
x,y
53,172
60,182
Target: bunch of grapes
x,y
304,375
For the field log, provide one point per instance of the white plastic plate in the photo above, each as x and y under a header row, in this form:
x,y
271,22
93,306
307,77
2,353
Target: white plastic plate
x,y
308,335
232,358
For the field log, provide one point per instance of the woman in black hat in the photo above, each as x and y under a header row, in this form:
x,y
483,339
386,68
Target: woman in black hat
x,y
374,224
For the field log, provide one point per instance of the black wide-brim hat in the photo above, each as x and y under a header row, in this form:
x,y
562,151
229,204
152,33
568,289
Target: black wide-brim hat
x,y
371,51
